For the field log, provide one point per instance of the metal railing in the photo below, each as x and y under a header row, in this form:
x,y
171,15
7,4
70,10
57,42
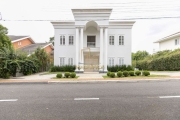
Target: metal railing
x,y
91,44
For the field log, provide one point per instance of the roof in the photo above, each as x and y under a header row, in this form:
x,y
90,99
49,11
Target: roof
x,y
31,48
15,38
168,37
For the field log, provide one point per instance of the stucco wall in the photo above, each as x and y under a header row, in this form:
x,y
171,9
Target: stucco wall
x,y
24,42
117,50
64,50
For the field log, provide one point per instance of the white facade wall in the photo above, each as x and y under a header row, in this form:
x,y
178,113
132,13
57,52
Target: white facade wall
x,y
64,50
115,51
169,44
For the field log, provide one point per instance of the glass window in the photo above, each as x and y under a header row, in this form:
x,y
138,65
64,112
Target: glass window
x,y
70,61
71,40
62,40
111,40
121,61
62,60
121,40
111,61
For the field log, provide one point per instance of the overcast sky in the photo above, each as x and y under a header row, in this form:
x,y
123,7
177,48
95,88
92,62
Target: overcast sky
x,y
155,19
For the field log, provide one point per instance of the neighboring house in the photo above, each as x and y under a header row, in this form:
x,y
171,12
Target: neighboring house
x,y
27,44
92,40
170,42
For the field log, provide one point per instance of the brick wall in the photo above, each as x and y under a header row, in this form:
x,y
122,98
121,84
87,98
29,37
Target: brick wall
x,y
22,43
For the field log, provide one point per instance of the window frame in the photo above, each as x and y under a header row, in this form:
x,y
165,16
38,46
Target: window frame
x,y
72,36
122,61
121,41
110,61
110,40
63,41
63,63
70,61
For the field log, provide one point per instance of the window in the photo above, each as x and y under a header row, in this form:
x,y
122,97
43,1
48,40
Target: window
x,y
111,61
120,61
19,43
62,61
121,40
62,40
111,40
70,61
71,40
176,41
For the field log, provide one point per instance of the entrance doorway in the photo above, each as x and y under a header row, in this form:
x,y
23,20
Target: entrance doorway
x,y
91,41
91,62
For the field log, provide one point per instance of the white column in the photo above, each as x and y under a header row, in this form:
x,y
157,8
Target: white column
x,y
105,49
101,50
81,50
77,50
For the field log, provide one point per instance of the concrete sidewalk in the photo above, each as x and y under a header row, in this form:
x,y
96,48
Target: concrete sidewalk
x,y
87,77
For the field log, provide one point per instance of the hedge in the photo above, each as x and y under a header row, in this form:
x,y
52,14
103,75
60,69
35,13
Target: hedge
x,y
117,68
66,68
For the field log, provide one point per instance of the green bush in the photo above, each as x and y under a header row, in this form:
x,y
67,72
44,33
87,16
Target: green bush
x,y
66,68
126,73
59,75
108,73
119,74
146,73
117,68
112,74
66,74
73,75
137,72
131,73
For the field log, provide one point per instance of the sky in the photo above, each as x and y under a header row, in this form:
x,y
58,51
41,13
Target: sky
x,y
155,19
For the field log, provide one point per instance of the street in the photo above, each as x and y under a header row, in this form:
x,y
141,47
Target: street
x,y
91,101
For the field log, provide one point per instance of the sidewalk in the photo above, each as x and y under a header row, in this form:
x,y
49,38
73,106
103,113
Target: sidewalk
x,y
87,77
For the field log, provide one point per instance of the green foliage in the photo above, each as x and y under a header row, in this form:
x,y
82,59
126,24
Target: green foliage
x,y
146,73
125,73
117,68
112,74
66,68
66,74
131,73
139,55
119,74
161,61
73,75
137,72
108,73
59,75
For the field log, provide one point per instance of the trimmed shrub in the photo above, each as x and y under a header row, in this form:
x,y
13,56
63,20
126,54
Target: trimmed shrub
x,y
73,75
131,73
138,73
112,74
117,68
59,75
66,68
108,73
126,73
119,74
146,73
66,74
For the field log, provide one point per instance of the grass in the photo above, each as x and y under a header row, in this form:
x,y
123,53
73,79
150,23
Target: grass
x,y
150,76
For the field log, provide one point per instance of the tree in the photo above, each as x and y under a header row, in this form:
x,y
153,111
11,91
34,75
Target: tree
x,y
4,39
51,40
139,55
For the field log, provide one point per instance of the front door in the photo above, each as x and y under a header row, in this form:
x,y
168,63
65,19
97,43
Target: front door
x,y
91,61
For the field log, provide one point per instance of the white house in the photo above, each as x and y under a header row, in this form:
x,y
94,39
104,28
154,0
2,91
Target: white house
x,y
170,42
92,42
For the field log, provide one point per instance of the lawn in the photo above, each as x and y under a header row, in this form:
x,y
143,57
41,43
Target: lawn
x,y
135,77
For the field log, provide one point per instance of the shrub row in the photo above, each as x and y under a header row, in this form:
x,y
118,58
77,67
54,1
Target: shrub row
x,y
66,75
128,73
66,68
164,63
117,68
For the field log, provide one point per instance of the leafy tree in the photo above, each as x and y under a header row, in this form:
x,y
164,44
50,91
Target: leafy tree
x,y
139,55
4,39
51,40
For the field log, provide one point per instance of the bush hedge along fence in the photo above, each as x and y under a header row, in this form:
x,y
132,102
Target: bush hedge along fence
x,y
66,68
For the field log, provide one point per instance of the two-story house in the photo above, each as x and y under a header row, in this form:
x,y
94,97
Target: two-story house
x,y
92,42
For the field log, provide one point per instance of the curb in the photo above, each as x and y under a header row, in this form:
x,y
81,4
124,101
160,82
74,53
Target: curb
x,y
87,81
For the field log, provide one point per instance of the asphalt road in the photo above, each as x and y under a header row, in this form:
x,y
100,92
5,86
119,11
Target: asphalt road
x,y
103,101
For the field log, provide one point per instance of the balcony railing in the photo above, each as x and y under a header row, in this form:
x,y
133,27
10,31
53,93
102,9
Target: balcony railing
x,y
91,44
